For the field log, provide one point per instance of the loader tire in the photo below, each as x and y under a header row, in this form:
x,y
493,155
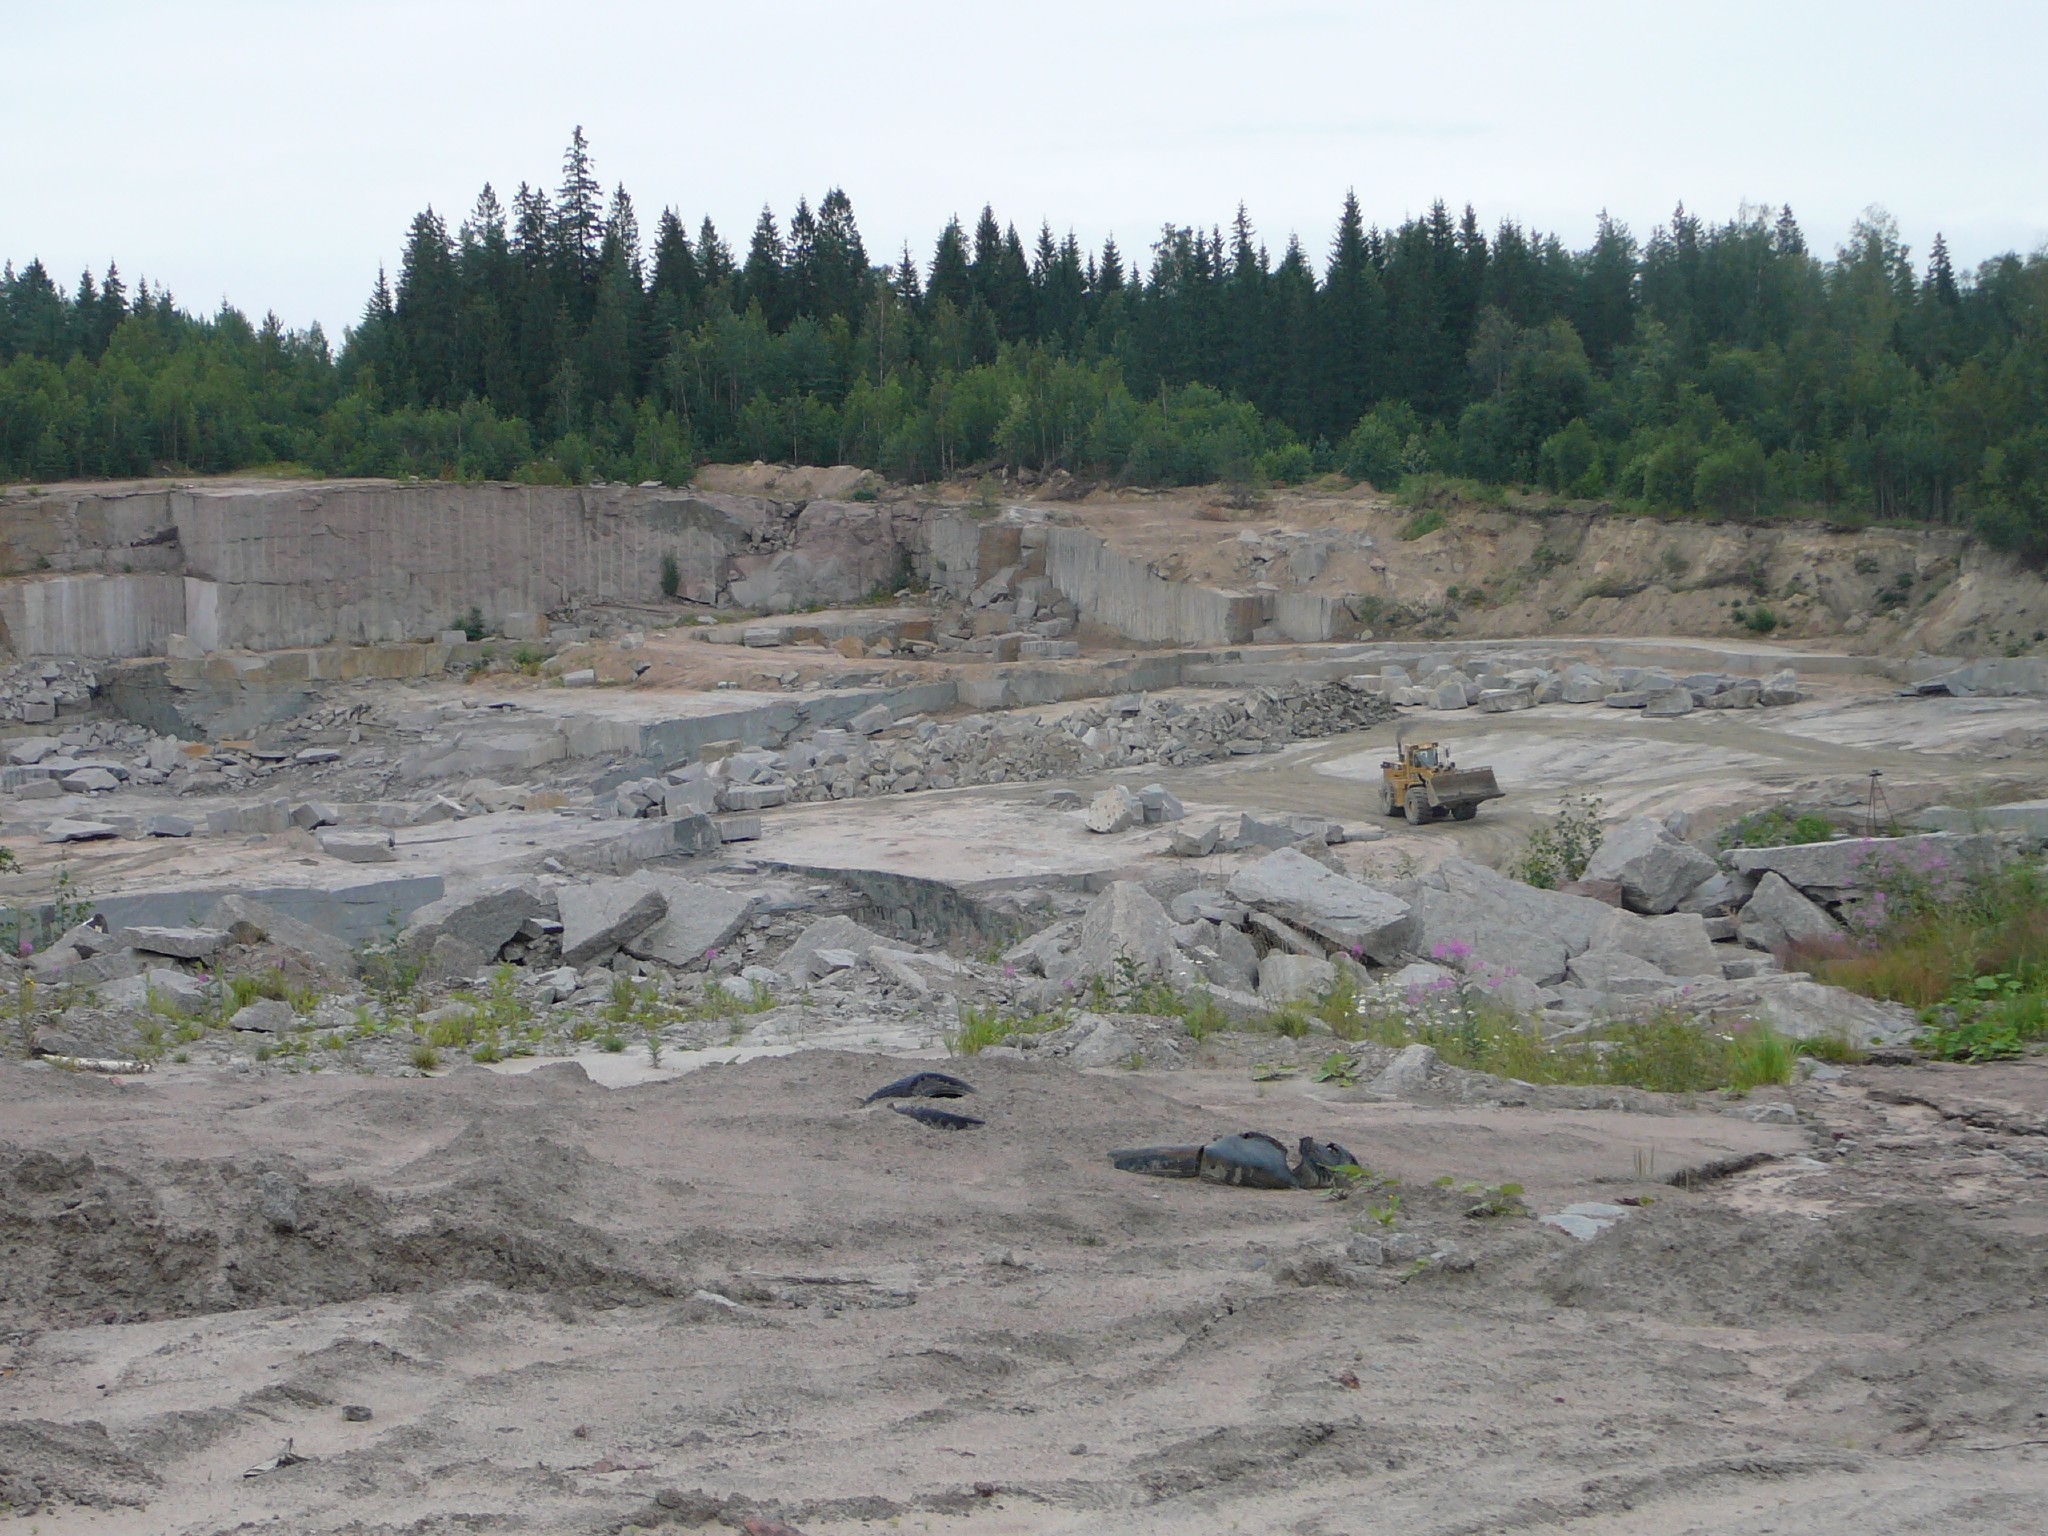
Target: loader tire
x,y
1464,812
1418,807
1387,806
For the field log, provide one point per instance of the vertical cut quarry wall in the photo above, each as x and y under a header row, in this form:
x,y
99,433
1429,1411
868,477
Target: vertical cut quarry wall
x,y
110,571
365,563
1124,594
91,616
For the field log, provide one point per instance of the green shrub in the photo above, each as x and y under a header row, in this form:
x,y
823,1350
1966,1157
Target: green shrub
x,y
1289,464
1558,850
1422,524
671,576
1778,827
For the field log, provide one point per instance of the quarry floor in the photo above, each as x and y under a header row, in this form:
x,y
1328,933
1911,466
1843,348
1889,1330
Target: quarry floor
x,y
1714,765
735,1293
738,1294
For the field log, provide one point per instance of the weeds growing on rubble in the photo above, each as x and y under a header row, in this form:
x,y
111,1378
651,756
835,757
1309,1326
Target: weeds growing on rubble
x,y
1967,948
1665,1052
981,1027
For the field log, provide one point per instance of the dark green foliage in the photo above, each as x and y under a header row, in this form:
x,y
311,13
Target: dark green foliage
x,y
1715,369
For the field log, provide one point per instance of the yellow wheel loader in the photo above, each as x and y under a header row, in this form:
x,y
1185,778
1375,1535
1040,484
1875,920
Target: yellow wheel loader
x,y
1422,783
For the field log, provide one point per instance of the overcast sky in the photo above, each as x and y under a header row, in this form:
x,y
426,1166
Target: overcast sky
x,y
273,151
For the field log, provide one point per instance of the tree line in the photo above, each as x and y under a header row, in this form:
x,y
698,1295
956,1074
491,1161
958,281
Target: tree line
x,y
1716,368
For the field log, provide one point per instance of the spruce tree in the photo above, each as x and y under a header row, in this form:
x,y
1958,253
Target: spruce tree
x,y
762,279
839,261
1351,320
579,213
678,287
951,278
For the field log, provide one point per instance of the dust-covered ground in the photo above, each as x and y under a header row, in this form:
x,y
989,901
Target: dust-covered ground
x,y
738,1294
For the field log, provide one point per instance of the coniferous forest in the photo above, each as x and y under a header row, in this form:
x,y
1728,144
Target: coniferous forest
x,y
1721,369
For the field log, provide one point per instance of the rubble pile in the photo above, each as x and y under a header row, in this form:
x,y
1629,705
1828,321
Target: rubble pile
x,y
32,691
1499,688
875,754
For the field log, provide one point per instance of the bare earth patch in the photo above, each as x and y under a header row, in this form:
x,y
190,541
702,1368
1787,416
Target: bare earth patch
x,y
737,1293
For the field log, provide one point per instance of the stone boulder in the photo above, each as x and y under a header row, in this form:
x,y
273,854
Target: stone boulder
x,y
367,845
1285,978
1160,804
1834,871
800,963
700,918
162,989
1672,702
176,943
1479,918
1345,912
1654,869
249,922
1678,944
1100,1043
1801,1008
1612,973
1124,925
1407,1075
265,1016
600,917
66,829
1778,915
1227,957
486,921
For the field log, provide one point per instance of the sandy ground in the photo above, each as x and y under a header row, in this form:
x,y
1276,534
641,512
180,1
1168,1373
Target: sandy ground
x,y
572,1309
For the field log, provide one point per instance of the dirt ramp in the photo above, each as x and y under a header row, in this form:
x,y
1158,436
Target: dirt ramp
x,y
1858,1271
77,1463
123,1239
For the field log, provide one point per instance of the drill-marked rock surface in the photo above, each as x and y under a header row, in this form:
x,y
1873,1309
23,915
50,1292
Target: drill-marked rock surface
x,y
1116,809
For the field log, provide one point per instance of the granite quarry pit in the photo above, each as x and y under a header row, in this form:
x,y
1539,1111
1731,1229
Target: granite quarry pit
x,y
436,1057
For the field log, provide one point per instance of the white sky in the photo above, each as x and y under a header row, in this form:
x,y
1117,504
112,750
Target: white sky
x,y
273,151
